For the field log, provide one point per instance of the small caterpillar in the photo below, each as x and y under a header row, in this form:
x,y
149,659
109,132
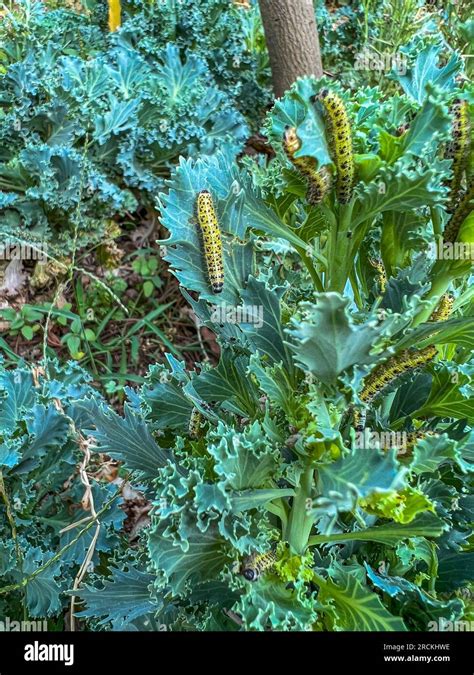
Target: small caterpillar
x,y
444,308
318,181
341,141
458,148
209,226
195,423
381,274
256,564
461,212
389,371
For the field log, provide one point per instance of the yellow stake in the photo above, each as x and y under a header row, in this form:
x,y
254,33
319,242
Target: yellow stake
x,y
115,12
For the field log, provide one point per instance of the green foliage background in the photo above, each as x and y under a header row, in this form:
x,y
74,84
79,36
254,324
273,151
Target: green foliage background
x,y
366,538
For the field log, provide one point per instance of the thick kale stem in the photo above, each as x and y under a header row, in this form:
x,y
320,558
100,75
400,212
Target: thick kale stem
x,y
341,252
300,521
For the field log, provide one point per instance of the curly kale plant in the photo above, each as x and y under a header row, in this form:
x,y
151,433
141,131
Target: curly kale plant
x,y
319,476
42,495
226,34
90,125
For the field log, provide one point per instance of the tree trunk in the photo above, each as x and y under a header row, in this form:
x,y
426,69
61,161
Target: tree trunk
x,y
292,40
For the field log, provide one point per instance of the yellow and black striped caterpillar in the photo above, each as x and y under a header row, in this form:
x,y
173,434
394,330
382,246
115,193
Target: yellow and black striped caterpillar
x,y
388,372
339,129
444,308
401,363
195,423
318,181
212,240
254,565
381,274
459,147
461,212
412,439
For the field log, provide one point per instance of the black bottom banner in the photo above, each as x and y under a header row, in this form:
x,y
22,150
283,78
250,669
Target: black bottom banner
x,y
22,652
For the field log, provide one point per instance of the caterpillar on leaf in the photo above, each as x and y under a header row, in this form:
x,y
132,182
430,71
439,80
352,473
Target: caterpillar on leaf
x,y
461,212
377,264
388,372
195,423
212,241
412,439
339,129
318,181
254,565
396,366
444,308
459,147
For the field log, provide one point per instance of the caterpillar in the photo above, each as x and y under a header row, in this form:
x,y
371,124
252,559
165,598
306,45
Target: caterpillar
x,y
461,212
389,371
400,364
254,565
444,308
412,439
115,11
195,423
212,241
458,149
341,142
318,181
381,274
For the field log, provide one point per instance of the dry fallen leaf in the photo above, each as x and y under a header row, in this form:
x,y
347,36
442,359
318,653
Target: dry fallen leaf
x,y
13,278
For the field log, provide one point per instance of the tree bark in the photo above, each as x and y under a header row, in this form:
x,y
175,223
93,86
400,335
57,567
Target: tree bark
x,y
292,40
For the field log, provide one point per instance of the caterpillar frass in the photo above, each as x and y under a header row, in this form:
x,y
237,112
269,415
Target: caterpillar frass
x,y
341,142
318,181
458,149
254,565
212,241
381,274
461,212
387,373
195,423
444,308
